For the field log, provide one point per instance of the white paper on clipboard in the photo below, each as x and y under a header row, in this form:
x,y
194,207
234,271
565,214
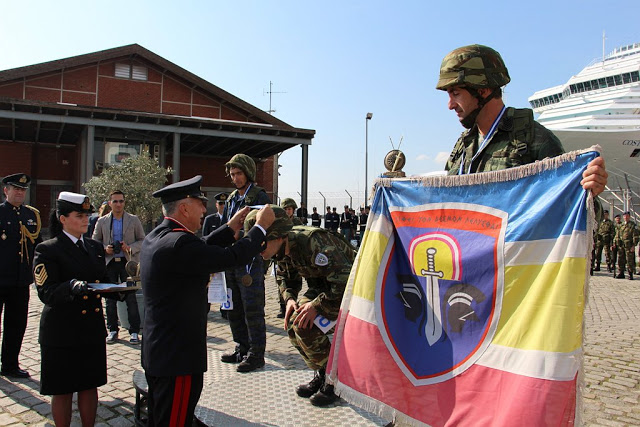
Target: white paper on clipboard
x,y
217,288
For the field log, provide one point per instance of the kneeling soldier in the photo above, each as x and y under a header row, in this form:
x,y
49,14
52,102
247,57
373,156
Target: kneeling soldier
x,y
324,259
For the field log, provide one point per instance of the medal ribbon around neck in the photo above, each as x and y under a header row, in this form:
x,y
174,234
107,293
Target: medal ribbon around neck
x,y
484,143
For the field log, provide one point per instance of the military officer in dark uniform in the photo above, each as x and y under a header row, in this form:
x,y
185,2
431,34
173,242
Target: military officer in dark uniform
x,y
175,267
19,234
213,221
302,213
315,217
72,327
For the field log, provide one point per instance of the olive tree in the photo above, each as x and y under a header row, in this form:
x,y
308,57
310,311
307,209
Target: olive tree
x,y
137,177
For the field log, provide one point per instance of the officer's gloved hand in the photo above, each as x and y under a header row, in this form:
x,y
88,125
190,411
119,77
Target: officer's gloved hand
x,y
79,287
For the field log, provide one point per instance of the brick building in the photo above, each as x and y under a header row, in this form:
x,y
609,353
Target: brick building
x,y
63,121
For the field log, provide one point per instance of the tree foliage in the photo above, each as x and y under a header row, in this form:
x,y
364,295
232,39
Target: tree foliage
x,y
137,177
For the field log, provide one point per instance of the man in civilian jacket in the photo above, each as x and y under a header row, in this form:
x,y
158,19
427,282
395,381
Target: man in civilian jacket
x,y
121,234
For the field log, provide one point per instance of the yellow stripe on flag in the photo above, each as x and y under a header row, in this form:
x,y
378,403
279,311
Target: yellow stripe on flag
x,y
539,310
369,265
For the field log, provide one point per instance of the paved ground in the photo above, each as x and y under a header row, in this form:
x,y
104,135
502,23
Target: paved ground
x,y
611,391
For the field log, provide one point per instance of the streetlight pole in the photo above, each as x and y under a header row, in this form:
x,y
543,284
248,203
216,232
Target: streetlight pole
x,y
366,156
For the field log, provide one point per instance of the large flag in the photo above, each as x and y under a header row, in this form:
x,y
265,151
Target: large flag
x,y
465,303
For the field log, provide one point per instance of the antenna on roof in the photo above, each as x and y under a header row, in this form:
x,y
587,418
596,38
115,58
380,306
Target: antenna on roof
x,y
603,39
270,91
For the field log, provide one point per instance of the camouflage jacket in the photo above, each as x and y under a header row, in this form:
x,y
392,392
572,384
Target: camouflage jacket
x,y
324,259
606,231
518,140
627,234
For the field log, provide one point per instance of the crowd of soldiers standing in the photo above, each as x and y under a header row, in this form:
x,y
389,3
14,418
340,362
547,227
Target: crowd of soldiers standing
x,y
618,239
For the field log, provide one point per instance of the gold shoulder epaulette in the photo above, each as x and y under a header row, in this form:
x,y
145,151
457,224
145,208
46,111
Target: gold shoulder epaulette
x,y
32,208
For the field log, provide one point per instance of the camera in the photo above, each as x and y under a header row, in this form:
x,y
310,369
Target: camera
x,y
117,246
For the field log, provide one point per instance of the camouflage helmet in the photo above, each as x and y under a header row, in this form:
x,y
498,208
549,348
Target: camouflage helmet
x,y
245,164
473,66
288,203
280,227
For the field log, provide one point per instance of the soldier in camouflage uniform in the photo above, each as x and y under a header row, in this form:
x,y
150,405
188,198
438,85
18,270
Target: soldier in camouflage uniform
x,y
614,248
246,320
324,259
606,230
289,205
497,137
626,238
282,268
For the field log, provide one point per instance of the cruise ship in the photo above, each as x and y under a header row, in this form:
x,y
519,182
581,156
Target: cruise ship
x,y
601,105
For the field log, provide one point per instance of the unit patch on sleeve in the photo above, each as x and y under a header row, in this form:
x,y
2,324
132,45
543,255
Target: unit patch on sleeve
x,y
321,260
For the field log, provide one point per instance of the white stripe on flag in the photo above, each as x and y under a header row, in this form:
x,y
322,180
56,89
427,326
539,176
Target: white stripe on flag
x,y
363,309
538,252
532,363
381,224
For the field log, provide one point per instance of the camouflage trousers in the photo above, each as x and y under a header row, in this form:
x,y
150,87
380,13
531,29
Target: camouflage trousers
x,y
246,320
312,344
607,253
626,258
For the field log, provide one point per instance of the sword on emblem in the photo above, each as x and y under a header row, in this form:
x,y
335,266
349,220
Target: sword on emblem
x,y
433,328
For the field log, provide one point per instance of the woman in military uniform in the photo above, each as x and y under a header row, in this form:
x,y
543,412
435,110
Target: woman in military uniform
x,y
72,328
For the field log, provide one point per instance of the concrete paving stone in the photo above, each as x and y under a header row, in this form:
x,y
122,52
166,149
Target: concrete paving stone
x,y
120,422
6,419
628,421
111,402
105,413
624,382
43,409
124,410
31,417
607,422
613,411
16,408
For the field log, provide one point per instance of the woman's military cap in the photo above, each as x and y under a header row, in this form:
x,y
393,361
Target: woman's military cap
x,y
181,190
72,202
20,180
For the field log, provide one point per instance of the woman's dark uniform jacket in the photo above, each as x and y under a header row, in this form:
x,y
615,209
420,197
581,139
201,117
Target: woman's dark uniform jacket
x,y
68,320
174,267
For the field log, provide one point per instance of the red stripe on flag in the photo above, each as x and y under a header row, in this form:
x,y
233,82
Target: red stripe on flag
x,y
180,404
479,396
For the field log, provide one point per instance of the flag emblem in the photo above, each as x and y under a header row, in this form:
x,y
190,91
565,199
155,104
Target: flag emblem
x,y
437,302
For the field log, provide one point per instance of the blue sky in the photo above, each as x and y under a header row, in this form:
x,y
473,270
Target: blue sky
x,y
335,61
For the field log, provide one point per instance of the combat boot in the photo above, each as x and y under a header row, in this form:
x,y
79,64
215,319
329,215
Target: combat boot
x,y
251,362
597,267
325,396
631,275
620,275
236,357
308,390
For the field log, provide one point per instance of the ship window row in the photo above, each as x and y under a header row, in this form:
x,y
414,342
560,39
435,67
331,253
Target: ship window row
x,y
604,82
547,100
601,83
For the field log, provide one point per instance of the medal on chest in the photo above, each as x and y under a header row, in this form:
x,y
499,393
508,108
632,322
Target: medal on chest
x,y
3,236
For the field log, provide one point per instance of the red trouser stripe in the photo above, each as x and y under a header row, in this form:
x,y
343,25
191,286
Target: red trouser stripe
x,y
180,401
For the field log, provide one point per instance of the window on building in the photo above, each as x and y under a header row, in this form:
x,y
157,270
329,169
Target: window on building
x,y
134,72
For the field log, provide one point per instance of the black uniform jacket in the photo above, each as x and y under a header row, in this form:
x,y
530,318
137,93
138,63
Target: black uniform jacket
x,y
174,268
15,266
211,222
69,320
